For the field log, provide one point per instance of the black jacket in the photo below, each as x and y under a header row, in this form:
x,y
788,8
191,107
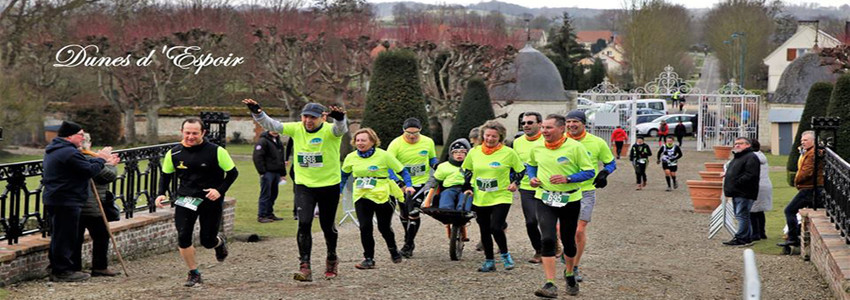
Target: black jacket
x,y
269,154
639,151
680,130
66,174
742,176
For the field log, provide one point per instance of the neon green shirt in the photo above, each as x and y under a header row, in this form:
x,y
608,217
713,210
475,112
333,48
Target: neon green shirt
x,y
491,174
569,159
316,155
523,146
599,153
415,157
370,175
448,174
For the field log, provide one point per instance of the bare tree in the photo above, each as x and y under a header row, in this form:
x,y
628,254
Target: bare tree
x,y
656,34
753,18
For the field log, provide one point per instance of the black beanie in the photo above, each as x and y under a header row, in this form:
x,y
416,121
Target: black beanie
x,y
412,122
68,128
577,115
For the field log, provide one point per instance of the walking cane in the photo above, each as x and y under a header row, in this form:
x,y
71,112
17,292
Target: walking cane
x,y
105,222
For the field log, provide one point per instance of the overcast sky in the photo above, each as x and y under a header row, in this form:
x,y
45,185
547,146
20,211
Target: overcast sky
x,y
606,4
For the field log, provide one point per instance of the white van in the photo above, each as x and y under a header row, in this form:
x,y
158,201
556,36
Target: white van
x,y
655,104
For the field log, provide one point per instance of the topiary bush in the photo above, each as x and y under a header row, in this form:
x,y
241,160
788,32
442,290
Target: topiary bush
x,y
475,108
839,106
816,106
100,120
394,95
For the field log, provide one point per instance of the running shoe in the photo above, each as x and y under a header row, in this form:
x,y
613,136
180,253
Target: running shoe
x,y
194,278
536,259
488,266
331,267
675,185
304,273
548,290
508,260
572,285
221,250
407,251
395,256
366,264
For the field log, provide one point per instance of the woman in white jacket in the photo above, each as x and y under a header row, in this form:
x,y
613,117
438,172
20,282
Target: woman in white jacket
x,y
765,198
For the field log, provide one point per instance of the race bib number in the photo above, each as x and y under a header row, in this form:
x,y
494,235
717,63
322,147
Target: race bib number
x,y
487,185
365,182
641,161
672,163
310,159
189,202
415,170
555,199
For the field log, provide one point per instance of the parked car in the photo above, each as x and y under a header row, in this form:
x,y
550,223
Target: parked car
x,y
651,128
656,104
646,118
649,111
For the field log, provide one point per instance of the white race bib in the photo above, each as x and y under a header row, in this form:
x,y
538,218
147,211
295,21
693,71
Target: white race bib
x,y
189,202
310,159
367,183
487,184
416,170
555,199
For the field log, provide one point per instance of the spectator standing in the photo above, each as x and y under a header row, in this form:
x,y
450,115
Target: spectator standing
x,y
269,155
741,183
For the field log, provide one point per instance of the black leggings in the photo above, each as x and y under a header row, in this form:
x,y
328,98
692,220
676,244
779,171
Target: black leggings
x,y
99,240
548,217
366,209
409,212
640,173
529,211
619,146
491,222
306,199
209,213
757,221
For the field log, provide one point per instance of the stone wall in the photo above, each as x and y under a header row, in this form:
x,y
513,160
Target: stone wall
x,y
824,246
144,235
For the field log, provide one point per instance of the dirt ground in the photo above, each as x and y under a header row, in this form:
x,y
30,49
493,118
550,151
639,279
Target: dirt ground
x,y
642,244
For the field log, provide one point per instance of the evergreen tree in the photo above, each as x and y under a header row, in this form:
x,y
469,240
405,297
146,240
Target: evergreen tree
x,y
566,52
597,73
394,95
474,110
816,105
839,106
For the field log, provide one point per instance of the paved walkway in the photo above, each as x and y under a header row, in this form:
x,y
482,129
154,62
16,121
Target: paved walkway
x,y
643,244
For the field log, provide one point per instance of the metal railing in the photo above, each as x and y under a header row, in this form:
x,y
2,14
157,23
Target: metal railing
x,y
21,210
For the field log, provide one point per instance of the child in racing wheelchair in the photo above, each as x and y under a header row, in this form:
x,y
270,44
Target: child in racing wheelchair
x,y
449,180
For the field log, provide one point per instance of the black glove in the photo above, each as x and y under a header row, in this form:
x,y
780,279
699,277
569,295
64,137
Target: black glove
x,y
337,115
254,108
601,179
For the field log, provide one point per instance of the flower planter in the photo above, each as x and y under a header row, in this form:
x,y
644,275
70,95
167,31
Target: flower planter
x,y
714,167
722,152
711,176
705,195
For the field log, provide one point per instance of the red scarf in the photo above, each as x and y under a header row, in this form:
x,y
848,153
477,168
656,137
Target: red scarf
x,y
579,137
535,137
488,150
556,144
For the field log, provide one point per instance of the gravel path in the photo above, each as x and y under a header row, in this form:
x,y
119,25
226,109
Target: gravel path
x,y
643,244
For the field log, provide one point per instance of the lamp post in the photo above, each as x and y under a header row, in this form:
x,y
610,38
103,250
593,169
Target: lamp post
x,y
729,43
742,41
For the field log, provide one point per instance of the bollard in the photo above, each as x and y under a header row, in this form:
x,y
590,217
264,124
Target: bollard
x,y
752,283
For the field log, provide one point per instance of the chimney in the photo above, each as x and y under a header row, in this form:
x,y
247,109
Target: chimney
x,y
847,32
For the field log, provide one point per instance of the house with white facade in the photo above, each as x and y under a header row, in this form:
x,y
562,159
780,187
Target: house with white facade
x,y
802,42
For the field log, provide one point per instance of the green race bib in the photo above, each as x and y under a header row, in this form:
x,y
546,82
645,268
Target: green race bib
x,y
365,182
672,163
189,202
487,184
555,199
310,159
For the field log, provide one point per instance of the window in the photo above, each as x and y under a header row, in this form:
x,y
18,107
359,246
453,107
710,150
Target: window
x,y
656,106
641,105
790,54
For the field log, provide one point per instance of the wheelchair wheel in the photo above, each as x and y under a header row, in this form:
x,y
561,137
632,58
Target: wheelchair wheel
x,y
456,242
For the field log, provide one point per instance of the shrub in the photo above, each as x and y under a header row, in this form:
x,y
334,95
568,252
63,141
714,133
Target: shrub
x,y
100,120
394,95
839,106
475,108
816,105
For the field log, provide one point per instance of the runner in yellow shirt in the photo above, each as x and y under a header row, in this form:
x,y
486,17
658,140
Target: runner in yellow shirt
x,y
316,163
372,189
496,171
416,152
523,145
599,153
557,171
